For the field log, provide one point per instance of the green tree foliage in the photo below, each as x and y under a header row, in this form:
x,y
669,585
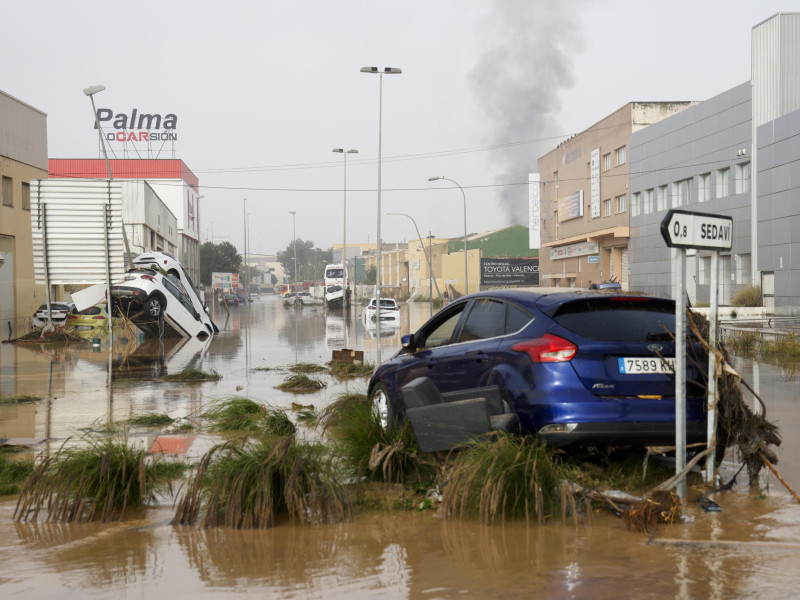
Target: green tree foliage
x,y
311,260
218,258
370,275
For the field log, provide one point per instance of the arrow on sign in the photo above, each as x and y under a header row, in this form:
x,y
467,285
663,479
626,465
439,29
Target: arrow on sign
x,y
703,231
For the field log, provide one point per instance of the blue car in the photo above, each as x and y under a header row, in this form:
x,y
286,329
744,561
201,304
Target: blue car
x,y
588,367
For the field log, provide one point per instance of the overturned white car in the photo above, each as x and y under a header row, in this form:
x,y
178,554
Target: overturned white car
x,y
159,305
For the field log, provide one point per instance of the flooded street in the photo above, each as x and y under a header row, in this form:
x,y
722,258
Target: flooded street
x,y
749,550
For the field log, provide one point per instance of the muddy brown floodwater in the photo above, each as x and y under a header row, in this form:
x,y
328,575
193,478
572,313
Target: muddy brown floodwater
x,y
749,550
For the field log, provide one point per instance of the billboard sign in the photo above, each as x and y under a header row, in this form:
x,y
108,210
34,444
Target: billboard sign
x,y
594,175
534,212
570,207
222,281
510,271
570,250
137,127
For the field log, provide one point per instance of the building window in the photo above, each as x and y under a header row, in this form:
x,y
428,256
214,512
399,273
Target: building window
x,y
607,207
743,178
661,198
722,182
635,204
622,204
607,162
622,156
682,191
743,266
704,187
703,270
8,199
26,196
648,201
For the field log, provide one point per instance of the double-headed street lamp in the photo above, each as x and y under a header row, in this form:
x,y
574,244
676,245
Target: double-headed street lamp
x,y
344,154
427,256
381,72
463,195
294,243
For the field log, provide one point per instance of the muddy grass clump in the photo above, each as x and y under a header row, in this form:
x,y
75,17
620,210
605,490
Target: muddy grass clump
x,y
18,398
367,451
56,336
96,482
332,415
150,420
307,368
245,415
348,370
12,473
301,384
506,477
249,485
192,375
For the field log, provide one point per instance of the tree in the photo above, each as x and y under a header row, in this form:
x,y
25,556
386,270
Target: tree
x,y
371,275
218,258
311,261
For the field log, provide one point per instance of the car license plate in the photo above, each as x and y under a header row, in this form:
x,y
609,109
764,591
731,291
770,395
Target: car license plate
x,y
646,366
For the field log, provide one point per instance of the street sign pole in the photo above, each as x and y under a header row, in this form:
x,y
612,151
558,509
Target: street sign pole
x,y
682,229
680,372
712,367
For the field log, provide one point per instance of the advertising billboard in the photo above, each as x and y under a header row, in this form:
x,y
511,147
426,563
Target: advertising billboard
x,y
510,271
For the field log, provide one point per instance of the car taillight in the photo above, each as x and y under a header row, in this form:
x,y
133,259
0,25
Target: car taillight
x,y
548,348
148,277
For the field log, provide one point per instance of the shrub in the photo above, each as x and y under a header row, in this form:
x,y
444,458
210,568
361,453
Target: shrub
x,y
80,484
247,485
748,296
506,476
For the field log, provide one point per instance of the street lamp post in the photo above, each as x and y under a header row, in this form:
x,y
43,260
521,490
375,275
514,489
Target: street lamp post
x,y
91,91
427,256
381,72
344,154
294,243
463,195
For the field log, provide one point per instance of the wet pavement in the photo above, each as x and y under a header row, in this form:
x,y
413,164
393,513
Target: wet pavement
x,y
749,550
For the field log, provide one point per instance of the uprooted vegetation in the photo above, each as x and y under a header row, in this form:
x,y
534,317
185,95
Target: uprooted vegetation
x,y
301,384
267,474
192,375
99,481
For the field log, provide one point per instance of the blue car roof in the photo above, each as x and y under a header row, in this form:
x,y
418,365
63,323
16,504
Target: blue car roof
x,y
547,298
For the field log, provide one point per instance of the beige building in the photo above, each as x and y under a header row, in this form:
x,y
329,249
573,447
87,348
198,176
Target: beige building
x,y
23,157
405,272
584,199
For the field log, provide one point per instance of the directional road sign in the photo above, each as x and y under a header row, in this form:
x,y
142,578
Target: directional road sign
x,y
686,229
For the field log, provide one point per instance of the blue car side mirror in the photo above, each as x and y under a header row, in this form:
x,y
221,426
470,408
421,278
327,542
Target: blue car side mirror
x,y
407,340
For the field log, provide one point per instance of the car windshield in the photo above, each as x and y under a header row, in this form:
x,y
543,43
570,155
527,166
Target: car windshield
x,y
618,319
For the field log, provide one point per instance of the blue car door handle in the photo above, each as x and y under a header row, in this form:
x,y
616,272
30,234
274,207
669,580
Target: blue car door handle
x,y
431,363
478,356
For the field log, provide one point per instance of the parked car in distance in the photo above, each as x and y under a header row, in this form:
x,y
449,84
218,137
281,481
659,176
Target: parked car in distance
x,y
606,285
304,298
390,310
230,299
90,323
148,298
58,313
576,366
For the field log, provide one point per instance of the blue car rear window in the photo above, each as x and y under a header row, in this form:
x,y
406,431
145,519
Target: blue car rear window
x,y
618,319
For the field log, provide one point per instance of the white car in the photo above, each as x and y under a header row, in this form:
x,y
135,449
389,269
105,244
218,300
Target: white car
x,y
390,311
166,263
58,313
304,297
150,299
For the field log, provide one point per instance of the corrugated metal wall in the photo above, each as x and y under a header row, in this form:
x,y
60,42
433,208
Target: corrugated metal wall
x,y
775,66
72,214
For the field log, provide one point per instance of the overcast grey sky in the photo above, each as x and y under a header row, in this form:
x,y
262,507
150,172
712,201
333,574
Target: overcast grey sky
x,y
263,92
